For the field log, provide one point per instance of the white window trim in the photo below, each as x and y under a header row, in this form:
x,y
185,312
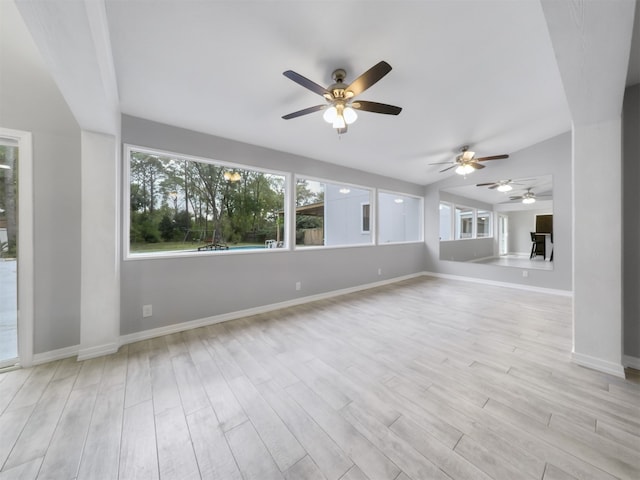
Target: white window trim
x,y
26,265
420,216
474,225
372,197
126,208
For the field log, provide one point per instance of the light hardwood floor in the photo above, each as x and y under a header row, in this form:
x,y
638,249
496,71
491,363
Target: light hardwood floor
x,y
424,379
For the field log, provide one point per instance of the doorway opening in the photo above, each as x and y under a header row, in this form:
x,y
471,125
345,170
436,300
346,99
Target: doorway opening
x,y
16,249
8,252
503,235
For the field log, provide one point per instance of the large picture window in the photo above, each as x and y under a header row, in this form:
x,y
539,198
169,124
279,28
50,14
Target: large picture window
x,y
179,203
332,214
400,218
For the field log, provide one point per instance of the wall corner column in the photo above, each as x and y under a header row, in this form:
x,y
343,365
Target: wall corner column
x,y
597,250
100,257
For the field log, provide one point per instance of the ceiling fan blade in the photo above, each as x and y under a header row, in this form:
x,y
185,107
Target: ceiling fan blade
x,y
493,157
493,184
342,131
440,163
368,78
376,107
448,168
305,111
475,165
493,187
306,83
516,198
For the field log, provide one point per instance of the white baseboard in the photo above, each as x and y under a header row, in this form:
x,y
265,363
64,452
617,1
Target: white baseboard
x,y
97,351
54,355
604,366
519,286
110,348
203,322
107,349
632,362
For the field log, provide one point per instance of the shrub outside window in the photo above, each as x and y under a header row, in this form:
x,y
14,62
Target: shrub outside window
x,y
399,218
331,214
178,203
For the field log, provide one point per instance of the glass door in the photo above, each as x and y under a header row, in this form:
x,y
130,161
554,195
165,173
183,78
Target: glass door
x,y
503,234
8,252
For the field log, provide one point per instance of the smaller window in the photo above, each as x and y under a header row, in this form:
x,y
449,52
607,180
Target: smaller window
x,y
332,214
464,222
483,224
399,218
366,218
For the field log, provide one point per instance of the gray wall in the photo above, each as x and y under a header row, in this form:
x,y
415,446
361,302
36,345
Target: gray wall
x,y
467,250
30,101
552,156
184,289
631,223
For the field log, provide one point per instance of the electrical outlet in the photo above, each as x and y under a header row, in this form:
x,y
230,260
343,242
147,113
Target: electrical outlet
x,y
147,311
525,273
379,271
298,285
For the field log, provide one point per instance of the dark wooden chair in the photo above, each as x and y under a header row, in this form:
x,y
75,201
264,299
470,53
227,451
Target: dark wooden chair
x,y
537,245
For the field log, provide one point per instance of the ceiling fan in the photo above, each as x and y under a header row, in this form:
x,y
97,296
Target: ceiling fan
x,y
340,109
466,161
527,197
500,185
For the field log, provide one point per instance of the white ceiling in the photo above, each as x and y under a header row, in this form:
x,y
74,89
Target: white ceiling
x,y
475,72
541,186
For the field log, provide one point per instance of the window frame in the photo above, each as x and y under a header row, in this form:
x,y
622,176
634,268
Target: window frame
x,y
489,229
324,181
421,232
474,222
126,206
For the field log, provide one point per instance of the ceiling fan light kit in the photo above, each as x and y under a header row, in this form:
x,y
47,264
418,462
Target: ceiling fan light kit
x,y
466,161
340,110
464,169
527,197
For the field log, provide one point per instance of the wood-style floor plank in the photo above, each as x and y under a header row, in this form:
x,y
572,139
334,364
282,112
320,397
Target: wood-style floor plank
x,y
25,471
252,456
425,378
36,435
138,454
63,456
213,455
281,443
